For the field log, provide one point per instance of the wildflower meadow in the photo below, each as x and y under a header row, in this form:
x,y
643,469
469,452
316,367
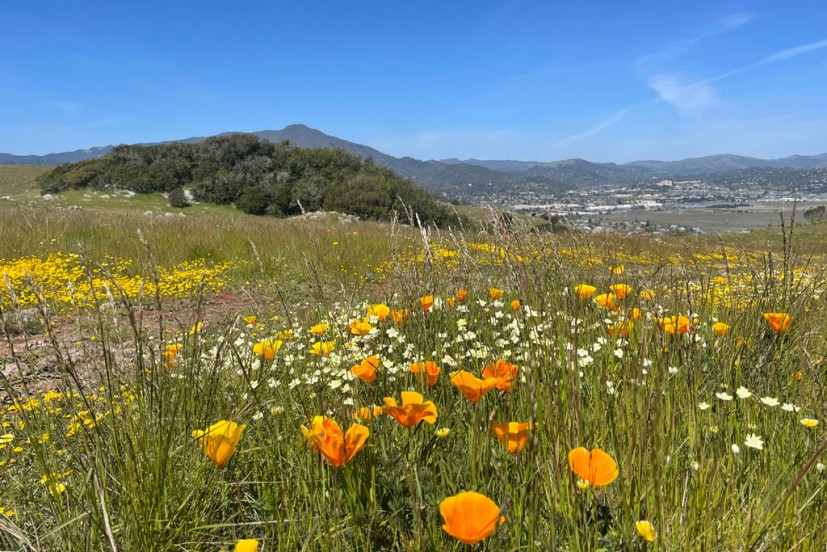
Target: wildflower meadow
x,y
318,386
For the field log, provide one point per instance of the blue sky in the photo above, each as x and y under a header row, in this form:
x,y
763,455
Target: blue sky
x,y
532,80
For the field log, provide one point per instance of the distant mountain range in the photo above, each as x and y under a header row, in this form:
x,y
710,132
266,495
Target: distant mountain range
x,y
448,175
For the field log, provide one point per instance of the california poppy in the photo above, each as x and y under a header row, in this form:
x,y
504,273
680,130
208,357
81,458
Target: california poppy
x,y
326,436
250,319
426,301
606,300
469,516
400,316
617,270
585,290
515,305
503,371
322,348
267,348
319,329
647,295
620,290
461,295
720,329
778,321
366,370
514,435
426,368
247,545
621,329
471,386
380,311
595,468
360,327
220,440
413,410
677,324
495,293
171,351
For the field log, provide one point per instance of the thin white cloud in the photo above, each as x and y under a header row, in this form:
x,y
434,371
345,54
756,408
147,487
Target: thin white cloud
x,y
685,96
63,106
735,20
696,95
616,117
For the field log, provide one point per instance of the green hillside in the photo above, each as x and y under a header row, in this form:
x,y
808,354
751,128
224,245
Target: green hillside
x,y
255,175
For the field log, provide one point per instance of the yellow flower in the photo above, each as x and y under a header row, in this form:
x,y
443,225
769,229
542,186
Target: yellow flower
x,y
585,290
606,300
267,348
246,545
495,293
620,290
617,270
319,329
646,530
322,348
220,440
171,351
647,295
720,329
250,319
443,432
360,327
380,311
809,422
196,328
427,301
515,305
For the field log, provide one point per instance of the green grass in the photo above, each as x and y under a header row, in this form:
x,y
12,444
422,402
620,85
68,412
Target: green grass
x,y
133,478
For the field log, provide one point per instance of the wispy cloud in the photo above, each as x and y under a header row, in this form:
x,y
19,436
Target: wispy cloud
x,y
66,107
694,96
654,62
735,20
616,117
698,95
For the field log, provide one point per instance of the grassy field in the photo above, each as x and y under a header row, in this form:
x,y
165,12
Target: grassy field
x,y
219,377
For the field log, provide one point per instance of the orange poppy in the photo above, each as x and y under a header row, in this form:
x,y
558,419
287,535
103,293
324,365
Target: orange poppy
x,y
322,348
400,316
647,295
427,301
620,290
461,295
470,517
720,329
413,410
515,305
606,300
326,436
680,324
622,329
503,371
595,468
366,370
778,321
617,270
380,311
585,290
514,435
220,440
360,327
426,368
267,348
452,302
495,293
471,386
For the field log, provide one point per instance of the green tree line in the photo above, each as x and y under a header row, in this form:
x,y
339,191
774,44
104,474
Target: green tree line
x,y
257,176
